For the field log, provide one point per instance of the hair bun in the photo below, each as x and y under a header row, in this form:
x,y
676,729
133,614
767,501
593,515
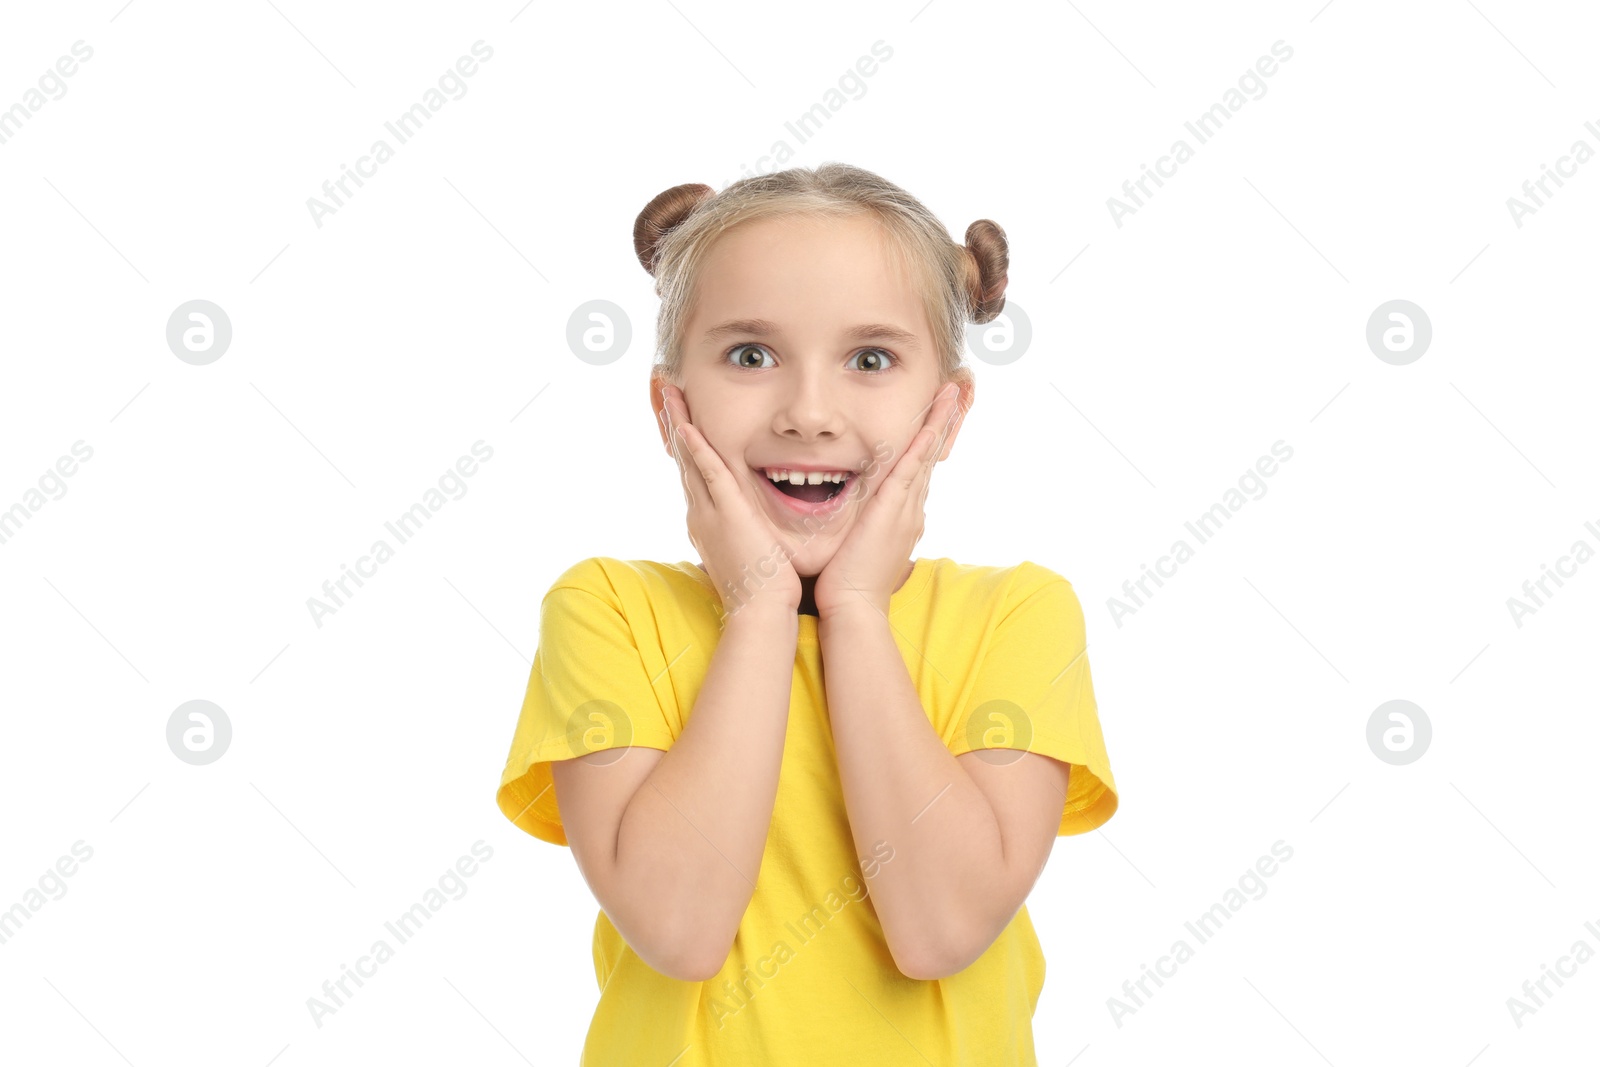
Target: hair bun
x,y
988,260
661,215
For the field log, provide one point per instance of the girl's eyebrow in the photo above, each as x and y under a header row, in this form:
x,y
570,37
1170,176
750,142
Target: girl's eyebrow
x,y
871,331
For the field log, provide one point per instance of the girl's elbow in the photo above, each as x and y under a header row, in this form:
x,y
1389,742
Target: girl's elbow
x,y
925,963
925,970
937,958
693,961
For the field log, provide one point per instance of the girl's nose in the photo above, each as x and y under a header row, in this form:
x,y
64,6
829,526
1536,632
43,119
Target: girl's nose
x,y
812,408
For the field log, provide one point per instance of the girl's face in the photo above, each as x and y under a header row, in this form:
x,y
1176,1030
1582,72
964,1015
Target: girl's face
x,y
837,374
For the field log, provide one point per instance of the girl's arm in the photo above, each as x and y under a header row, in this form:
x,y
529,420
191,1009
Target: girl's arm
x,y
965,854
673,859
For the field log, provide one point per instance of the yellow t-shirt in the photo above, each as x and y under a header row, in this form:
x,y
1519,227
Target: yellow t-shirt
x,y
997,657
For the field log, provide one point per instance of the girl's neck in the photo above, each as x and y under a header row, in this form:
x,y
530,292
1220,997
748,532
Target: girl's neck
x,y
808,585
808,600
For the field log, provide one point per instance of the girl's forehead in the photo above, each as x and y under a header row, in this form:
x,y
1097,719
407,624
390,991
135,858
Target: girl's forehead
x,y
805,266
848,233
797,279
844,314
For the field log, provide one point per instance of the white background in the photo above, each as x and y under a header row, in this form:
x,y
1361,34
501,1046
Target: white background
x,y
430,312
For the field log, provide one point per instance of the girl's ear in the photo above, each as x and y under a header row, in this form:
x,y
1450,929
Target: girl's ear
x,y
964,400
658,403
661,216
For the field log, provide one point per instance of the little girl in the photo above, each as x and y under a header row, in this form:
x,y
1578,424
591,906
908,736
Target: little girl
x,y
810,779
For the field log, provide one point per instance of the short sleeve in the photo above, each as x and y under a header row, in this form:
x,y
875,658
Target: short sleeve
x,y
589,690
1033,692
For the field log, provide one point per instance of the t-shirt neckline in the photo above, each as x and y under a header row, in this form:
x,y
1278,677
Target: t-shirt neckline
x,y
915,584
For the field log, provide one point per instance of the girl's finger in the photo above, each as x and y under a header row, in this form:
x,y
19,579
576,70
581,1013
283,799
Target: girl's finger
x,y
944,436
713,473
927,454
925,469
932,453
911,464
688,471
710,473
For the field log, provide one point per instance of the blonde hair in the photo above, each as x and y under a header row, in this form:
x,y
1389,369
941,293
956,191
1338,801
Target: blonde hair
x,y
960,283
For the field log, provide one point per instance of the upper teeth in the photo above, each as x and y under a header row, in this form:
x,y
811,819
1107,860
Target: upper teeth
x,y
778,474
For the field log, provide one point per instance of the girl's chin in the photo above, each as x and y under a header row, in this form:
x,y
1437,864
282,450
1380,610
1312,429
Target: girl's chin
x,y
809,561
808,566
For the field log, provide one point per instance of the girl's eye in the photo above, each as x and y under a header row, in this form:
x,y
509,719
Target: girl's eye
x,y
743,354
879,354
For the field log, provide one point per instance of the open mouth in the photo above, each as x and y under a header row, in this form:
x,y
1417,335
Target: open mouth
x,y
818,493
811,494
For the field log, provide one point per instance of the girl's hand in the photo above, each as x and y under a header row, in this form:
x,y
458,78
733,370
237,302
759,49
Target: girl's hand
x,y
870,563
737,542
